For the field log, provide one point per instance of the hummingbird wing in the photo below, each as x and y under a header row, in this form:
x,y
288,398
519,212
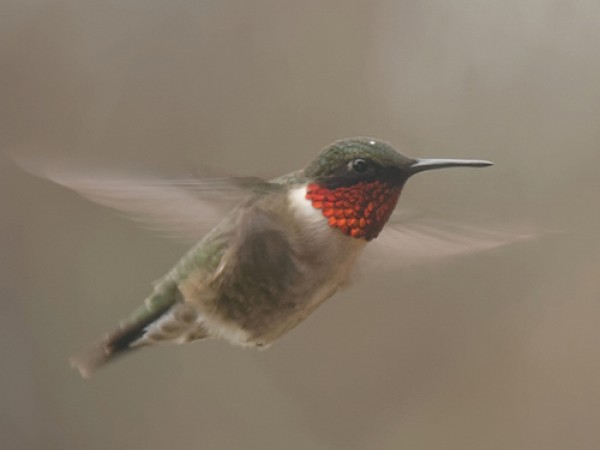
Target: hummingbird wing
x,y
180,208
422,240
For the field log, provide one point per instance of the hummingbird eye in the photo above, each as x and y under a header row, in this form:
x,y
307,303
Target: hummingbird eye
x,y
359,165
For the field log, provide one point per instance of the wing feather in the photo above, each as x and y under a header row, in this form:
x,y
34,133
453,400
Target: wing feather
x,y
423,240
180,208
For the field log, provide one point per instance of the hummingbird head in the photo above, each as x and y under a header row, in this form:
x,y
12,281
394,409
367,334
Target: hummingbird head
x,y
356,182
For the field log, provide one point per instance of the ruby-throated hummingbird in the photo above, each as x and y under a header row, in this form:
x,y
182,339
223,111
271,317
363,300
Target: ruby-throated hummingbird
x,y
287,246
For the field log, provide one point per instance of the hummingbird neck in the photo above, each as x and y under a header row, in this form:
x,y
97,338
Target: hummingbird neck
x,y
360,210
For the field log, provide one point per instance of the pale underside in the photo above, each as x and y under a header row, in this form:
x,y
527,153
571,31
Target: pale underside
x,y
319,261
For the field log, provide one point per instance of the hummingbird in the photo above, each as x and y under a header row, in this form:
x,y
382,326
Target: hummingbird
x,y
287,245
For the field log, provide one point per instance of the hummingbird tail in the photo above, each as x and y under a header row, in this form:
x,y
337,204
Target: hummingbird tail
x,y
129,335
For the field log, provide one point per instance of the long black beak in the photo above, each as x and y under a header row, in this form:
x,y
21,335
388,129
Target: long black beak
x,y
421,165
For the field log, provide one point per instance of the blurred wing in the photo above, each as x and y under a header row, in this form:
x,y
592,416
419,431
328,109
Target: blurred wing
x,y
421,240
183,209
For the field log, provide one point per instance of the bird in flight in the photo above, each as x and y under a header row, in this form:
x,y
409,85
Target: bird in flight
x,y
283,247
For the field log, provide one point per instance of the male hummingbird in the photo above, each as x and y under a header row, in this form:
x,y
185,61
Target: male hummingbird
x,y
288,245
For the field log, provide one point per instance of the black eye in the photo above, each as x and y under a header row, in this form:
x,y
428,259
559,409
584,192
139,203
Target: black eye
x,y
359,165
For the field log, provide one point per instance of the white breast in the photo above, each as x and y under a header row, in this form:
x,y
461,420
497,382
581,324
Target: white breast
x,y
305,210
339,249
314,220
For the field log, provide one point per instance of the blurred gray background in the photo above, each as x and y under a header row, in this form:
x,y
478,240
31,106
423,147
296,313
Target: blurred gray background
x,y
494,351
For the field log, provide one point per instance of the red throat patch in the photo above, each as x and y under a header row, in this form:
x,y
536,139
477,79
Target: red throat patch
x,y
360,210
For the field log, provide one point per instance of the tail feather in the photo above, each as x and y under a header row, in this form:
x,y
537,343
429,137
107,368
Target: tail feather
x,y
124,338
